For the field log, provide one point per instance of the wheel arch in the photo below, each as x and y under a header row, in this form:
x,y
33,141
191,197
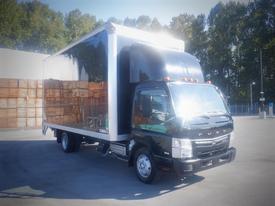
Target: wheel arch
x,y
135,148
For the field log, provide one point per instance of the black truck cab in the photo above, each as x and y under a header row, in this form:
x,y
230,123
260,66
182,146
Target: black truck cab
x,y
177,120
185,126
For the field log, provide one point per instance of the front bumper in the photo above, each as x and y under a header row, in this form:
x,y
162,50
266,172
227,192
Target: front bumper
x,y
191,166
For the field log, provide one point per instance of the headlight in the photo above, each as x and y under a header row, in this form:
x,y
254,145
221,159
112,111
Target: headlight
x,y
231,139
181,148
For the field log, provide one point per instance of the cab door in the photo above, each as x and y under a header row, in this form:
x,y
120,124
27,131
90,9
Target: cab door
x,y
151,110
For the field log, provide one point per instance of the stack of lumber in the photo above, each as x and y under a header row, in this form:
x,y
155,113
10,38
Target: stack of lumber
x,y
20,103
73,102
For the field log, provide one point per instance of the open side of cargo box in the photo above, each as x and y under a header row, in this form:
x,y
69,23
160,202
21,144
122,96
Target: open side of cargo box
x,y
77,96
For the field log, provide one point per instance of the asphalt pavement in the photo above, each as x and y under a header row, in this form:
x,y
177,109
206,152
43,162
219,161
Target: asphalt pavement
x,y
35,171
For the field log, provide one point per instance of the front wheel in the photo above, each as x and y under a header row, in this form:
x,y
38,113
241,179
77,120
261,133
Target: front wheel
x,y
145,166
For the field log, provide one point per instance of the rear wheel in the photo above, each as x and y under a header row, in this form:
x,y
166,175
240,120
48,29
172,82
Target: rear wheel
x,y
145,166
67,142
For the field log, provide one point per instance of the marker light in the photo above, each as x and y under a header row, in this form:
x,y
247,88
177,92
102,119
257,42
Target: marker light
x,y
167,79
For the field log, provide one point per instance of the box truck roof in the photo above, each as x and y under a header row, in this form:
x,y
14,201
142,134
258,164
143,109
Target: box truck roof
x,y
160,40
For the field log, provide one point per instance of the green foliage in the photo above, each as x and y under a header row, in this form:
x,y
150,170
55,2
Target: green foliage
x,y
129,22
12,21
45,28
181,27
223,44
155,25
78,24
143,22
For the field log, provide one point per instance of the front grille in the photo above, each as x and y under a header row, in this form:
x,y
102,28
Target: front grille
x,y
204,148
209,133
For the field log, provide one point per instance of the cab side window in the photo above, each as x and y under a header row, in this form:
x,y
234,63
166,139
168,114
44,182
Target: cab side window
x,y
151,110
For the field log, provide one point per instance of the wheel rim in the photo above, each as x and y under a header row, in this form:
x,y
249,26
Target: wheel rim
x,y
144,165
65,141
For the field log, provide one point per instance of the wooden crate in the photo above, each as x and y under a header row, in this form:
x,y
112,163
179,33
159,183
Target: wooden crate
x,y
80,93
82,84
30,112
3,103
38,102
38,122
70,119
55,120
21,122
22,112
22,93
23,83
3,113
13,92
4,83
52,84
31,102
38,112
3,122
13,83
68,85
31,122
39,93
11,113
67,93
39,84
32,84
12,103
54,111
52,93
4,92
32,93
12,123
21,102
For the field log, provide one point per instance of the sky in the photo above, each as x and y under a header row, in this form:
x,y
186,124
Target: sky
x,y
163,10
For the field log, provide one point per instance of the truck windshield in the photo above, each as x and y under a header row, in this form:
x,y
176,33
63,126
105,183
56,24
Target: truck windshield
x,y
191,100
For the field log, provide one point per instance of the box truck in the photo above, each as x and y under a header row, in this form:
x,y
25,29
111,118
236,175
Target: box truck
x,y
139,97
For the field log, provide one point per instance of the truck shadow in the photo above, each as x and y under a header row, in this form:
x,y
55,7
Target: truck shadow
x,y
40,169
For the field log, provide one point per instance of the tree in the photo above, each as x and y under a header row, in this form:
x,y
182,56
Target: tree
x,y
143,22
155,25
199,41
181,27
257,32
129,22
12,22
78,24
114,20
224,20
45,28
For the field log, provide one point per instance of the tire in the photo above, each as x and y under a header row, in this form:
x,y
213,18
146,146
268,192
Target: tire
x,y
67,142
145,166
